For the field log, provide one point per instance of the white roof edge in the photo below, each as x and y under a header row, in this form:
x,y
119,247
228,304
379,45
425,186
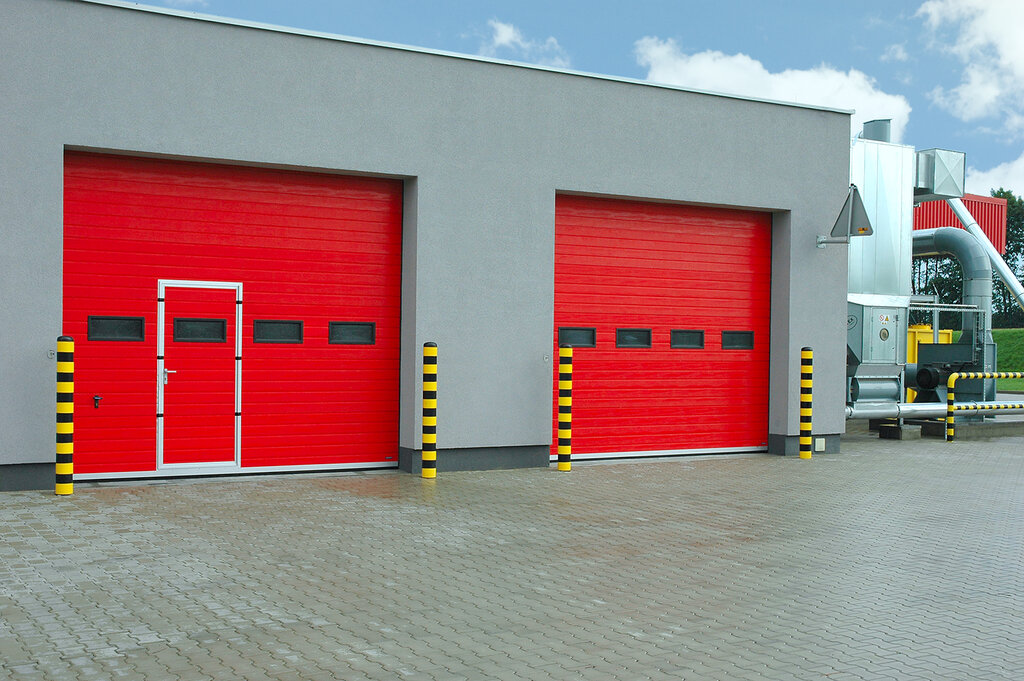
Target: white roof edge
x,y
199,16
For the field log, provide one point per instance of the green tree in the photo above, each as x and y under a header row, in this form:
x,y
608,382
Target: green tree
x,y
941,277
1006,313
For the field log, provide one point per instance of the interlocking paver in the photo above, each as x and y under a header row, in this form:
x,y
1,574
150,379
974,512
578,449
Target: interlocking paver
x,y
890,560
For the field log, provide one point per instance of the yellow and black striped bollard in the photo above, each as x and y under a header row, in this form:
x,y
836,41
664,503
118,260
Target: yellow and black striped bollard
x,y
65,469
806,394
951,408
565,408
429,410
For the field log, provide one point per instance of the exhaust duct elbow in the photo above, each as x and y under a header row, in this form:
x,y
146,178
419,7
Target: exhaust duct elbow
x,y
971,255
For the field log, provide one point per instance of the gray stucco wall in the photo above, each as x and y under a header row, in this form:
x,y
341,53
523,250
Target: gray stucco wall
x,y
485,147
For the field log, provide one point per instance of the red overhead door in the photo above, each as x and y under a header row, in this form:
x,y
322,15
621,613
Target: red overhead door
x,y
668,309
311,262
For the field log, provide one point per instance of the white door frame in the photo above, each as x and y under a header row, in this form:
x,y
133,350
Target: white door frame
x,y
162,286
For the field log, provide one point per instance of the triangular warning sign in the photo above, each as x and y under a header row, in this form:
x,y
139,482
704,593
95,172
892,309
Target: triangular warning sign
x,y
853,218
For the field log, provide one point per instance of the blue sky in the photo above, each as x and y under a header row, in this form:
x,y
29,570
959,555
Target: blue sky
x,y
949,72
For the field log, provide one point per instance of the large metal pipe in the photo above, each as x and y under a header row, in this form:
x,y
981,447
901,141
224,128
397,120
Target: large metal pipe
x,y
1006,275
919,410
974,261
894,410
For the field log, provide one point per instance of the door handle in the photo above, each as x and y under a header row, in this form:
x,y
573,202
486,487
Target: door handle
x,y
168,371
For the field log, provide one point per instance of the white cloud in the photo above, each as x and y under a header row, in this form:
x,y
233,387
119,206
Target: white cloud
x,y
978,96
507,41
1009,175
985,35
743,75
895,53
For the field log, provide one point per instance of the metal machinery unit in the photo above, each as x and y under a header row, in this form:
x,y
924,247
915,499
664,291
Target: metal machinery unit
x,y
940,175
879,274
891,178
876,331
975,351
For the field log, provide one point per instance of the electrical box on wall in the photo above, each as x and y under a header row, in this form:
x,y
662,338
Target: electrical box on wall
x,y
881,334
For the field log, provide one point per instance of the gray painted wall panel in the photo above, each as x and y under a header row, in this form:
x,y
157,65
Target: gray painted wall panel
x,y
488,145
30,313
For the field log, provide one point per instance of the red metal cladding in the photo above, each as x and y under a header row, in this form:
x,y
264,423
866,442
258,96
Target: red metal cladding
x,y
317,248
989,211
627,264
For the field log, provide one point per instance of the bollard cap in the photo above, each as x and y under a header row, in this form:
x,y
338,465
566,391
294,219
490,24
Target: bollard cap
x,y
65,339
430,345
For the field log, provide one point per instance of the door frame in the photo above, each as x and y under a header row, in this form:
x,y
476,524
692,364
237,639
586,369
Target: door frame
x,y
162,286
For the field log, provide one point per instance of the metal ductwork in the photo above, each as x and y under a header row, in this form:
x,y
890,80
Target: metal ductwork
x,y
999,265
976,350
976,266
914,410
895,410
878,293
879,130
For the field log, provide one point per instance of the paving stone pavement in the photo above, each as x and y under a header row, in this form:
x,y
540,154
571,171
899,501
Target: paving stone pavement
x,y
891,560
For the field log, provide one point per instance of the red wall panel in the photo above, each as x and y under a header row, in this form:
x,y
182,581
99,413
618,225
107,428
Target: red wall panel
x,y
989,211
628,264
305,246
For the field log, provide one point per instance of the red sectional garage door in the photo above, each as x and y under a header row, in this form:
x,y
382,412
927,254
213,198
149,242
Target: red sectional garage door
x,y
668,309
173,271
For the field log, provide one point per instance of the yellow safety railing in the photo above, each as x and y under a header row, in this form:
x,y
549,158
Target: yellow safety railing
x,y
952,407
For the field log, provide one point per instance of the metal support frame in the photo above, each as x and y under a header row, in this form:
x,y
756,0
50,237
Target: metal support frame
x,y
852,221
